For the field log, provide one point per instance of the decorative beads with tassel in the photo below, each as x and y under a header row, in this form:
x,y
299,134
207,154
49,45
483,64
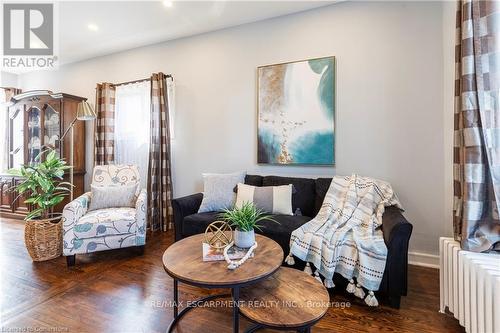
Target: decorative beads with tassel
x,y
329,283
359,292
317,277
232,265
289,259
351,287
308,269
370,299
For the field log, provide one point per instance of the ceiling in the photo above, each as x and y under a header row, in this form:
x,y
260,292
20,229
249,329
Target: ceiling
x,y
117,26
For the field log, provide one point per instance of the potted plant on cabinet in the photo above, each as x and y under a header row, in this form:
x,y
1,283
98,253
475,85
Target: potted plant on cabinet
x,y
44,185
245,219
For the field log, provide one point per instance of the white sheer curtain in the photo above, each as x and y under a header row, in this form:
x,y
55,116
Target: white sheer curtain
x,y
132,126
171,106
4,136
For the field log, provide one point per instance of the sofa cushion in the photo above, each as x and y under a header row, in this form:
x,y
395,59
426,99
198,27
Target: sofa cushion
x,y
113,196
254,180
218,191
305,191
105,222
322,186
268,199
279,232
197,223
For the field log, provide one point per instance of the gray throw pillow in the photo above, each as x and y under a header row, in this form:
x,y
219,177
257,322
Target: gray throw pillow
x,y
218,191
113,196
269,199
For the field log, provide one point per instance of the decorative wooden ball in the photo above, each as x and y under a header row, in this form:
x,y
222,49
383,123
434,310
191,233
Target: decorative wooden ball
x,y
218,235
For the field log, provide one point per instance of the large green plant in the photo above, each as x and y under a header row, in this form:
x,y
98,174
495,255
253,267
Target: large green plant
x,y
44,183
245,218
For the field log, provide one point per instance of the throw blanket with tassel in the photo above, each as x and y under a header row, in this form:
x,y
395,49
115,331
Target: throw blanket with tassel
x,y
346,237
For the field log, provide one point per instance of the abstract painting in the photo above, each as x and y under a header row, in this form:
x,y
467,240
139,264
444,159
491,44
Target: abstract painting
x,y
296,113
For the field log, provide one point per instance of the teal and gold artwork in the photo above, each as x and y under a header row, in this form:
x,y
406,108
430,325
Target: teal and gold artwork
x,y
296,113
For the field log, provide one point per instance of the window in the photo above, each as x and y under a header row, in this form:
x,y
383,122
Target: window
x,y
4,148
171,105
132,126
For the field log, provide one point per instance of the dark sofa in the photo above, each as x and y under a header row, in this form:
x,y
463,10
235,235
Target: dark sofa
x,y
307,198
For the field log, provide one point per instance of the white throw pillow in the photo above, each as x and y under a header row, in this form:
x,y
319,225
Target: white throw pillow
x,y
218,191
269,199
113,196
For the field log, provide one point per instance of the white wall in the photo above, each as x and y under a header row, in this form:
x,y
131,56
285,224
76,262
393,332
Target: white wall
x,y
449,22
391,86
8,80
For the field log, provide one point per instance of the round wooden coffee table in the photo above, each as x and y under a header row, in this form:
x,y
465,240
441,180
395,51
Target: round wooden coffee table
x,y
184,263
288,300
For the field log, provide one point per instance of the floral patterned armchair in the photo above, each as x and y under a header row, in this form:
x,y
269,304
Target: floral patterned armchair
x,y
109,228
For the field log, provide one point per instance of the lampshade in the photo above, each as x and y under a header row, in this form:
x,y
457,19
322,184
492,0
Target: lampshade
x,y
85,111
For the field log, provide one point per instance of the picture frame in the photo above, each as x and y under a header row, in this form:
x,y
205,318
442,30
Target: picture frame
x,y
296,112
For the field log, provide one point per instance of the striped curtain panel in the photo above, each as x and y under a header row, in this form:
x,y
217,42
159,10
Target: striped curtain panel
x,y
477,126
160,214
104,148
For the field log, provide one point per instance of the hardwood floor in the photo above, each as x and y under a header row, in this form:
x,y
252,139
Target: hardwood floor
x,y
122,291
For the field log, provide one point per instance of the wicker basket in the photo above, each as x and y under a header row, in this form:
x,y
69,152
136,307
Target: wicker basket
x,y
43,238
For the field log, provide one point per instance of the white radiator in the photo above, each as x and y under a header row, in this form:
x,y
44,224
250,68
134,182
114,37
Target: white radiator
x,y
470,286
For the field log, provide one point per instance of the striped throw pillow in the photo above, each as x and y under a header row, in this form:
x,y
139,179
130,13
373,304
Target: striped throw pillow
x,y
270,199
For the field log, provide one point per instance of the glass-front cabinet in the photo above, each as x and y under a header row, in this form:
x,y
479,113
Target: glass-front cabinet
x,y
16,135
43,131
51,128
34,134
37,120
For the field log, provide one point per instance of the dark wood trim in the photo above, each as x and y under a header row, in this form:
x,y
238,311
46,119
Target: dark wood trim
x,y
10,215
35,95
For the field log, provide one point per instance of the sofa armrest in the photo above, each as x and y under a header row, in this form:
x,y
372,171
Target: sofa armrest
x,y
397,231
141,217
395,225
72,212
183,207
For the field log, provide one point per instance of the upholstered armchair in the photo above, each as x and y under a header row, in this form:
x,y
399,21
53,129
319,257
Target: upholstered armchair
x,y
109,228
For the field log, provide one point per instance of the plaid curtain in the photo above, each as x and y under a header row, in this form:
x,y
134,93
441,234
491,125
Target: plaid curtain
x,y
4,136
477,126
160,214
104,148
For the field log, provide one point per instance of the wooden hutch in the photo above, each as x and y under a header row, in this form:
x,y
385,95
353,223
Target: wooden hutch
x,y
37,120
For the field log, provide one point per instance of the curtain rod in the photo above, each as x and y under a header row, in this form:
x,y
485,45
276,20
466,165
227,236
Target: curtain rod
x,y
136,81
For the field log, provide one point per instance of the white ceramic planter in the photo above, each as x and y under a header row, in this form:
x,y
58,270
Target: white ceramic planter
x,y
244,239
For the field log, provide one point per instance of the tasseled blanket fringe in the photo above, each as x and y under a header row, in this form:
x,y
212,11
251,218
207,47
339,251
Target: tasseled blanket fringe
x,y
371,300
353,288
289,260
317,277
329,283
359,292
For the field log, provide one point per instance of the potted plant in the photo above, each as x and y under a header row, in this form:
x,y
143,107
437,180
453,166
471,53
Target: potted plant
x,y
245,219
44,185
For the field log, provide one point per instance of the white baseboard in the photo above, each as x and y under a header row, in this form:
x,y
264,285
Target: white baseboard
x,y
423,259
